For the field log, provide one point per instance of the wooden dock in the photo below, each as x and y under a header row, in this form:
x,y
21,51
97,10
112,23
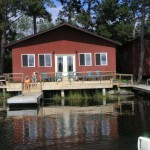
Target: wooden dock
x,y
142,88
28,98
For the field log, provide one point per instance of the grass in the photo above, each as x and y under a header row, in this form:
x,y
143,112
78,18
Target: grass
x,y
84,98
80,98
2,96
57,99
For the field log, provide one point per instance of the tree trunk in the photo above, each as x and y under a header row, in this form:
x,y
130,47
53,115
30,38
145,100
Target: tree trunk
x,y
34,24
70,12
140,72
2,54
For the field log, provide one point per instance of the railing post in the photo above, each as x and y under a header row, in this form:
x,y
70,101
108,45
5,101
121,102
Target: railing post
x,y
120,78
132,79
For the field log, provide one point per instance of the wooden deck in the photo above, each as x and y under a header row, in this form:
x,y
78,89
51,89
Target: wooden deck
x,y
15,82
142,88
66,85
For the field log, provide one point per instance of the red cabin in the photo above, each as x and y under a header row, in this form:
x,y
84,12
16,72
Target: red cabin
x,y
128,57
64,48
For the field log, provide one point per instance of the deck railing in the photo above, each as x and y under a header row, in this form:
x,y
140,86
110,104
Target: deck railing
x,y
84,76
124,78
99,76
90,76
14,77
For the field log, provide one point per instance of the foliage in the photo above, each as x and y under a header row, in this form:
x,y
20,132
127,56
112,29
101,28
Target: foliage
x,y
74,95
7,95
13,10
57,99
24,26
37,9
69,11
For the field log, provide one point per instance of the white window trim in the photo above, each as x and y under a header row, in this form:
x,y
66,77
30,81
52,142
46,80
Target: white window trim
x,y
44,59
85,59
28,60
101,59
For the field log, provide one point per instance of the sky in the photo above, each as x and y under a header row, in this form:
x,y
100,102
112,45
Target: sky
x,y
54,11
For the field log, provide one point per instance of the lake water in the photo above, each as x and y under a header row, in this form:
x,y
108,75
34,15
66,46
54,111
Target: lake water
x,y
76,128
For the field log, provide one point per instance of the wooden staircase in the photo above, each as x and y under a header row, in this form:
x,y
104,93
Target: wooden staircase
x,y
33,89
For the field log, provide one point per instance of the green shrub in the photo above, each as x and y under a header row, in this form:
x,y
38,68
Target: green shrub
x,y
74,95
7,95
57,99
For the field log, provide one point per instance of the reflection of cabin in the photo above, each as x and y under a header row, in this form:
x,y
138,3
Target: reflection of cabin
x,y
125,107
128,57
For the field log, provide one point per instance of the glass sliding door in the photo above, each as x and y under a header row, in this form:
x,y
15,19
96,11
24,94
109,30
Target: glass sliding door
x,y
69,63
60,64
65,64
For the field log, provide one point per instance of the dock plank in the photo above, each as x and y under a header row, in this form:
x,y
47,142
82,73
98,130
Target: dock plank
x,y
142,88
30,98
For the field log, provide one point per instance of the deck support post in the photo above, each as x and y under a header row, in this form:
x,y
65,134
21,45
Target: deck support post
x,y
104,100
62,98
4,93
104,92
62,102
62,94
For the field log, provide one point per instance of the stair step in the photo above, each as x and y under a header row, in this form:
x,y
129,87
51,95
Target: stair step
x,y
33,89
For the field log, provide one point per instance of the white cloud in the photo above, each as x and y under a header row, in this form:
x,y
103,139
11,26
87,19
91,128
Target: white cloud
x,y
55,11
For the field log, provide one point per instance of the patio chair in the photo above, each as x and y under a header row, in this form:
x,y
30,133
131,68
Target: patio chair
x,y
59,76
45,77
71,76
90,75
79,76
98,75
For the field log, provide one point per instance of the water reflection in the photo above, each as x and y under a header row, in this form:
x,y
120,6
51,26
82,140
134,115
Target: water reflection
x,y
62,127
21,113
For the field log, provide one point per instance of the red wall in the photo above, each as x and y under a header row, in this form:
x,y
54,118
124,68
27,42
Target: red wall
x,y
66,41
63,47
130,64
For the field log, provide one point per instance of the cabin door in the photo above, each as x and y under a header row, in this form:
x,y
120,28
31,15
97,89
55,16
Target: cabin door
x,y
65,64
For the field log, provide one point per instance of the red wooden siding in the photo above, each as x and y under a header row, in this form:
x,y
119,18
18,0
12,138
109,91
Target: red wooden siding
x,y
63,47
63,40
130,64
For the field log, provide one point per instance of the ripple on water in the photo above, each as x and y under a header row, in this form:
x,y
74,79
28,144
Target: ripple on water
x,y
53,128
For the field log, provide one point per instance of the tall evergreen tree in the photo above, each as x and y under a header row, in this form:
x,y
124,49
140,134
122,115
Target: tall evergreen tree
x,y
9,10
144,9
85,18
70,9
37,9
12,10
113,20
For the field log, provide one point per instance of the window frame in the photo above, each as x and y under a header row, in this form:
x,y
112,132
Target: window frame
x,y
27,60
85,59
45,59
101,64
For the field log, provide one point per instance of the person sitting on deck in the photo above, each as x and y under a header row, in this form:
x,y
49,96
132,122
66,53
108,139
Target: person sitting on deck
x,y
34,79
27,83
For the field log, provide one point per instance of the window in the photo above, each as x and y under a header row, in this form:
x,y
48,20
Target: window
x,y
85,59
28,60
101,59
45,60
